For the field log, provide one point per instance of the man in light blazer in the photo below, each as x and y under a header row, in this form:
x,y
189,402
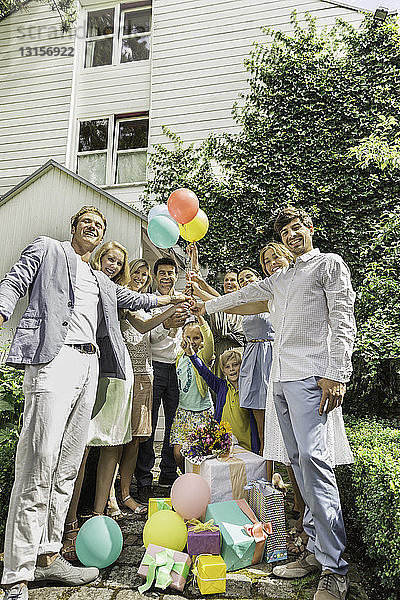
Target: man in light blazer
x,y
71,320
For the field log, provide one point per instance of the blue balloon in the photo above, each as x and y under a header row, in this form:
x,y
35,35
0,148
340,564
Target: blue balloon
x,y
163,231
99,542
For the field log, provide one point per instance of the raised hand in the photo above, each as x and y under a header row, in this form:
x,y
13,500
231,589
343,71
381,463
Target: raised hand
x,y
187,347
175,299
198,309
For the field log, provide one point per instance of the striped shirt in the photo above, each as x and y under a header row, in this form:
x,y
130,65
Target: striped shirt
x,y
311,304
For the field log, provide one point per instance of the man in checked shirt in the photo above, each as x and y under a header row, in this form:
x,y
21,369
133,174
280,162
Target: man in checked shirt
x,y
311,305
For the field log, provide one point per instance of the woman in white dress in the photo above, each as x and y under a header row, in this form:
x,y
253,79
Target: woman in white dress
x,y
135,327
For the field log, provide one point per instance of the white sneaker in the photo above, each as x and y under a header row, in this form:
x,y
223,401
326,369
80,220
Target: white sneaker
x,y
62,571
19,591
304,565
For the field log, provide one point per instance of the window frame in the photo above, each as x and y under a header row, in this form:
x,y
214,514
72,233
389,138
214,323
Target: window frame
x,y
112,146
121,37
118,120
118,34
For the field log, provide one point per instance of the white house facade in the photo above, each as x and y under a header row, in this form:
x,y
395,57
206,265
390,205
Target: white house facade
x,y
95,99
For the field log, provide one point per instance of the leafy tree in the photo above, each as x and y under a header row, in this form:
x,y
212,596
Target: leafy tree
x,y
376,377
312,96
66,10
319,128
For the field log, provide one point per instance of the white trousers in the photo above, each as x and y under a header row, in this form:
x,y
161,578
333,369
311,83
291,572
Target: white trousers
x,y
59,397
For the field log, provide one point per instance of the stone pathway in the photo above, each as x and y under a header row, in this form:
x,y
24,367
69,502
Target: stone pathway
x,y
120,581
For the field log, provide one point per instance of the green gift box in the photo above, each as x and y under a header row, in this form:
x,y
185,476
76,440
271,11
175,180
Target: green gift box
x,y
243,537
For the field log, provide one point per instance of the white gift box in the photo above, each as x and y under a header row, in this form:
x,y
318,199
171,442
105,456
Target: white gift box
x,y
227,478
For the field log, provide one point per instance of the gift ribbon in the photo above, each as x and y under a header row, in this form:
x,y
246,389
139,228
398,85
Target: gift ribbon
x,y
195,570
162,504
266,527
258,531
160,568
197,525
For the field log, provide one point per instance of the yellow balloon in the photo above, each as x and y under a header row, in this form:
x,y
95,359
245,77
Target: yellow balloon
x,y
196,228
165,528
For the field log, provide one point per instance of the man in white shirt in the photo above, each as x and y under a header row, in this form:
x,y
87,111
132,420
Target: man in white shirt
x,y
165,345
311,305
70,320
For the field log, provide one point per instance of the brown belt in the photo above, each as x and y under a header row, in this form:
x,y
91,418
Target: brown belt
x,y
84,348
266,340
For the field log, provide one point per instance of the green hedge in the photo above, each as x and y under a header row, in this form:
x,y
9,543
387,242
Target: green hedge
x,y
7,457
370,492
11,408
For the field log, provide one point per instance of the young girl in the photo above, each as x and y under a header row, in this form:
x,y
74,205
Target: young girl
x,y
195,406
227,408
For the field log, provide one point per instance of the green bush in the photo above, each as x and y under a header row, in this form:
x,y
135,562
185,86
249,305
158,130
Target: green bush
x,y
370,492
11,408
7,456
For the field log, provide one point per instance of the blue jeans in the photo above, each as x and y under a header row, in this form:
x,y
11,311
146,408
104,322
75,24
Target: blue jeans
x,y
165,390
304,434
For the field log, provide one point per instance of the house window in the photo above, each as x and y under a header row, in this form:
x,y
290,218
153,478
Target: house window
x,y
92,150
135,25
99,38
132,140
118,35
113,150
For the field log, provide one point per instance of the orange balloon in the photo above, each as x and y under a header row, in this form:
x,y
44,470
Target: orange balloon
x,y
183,205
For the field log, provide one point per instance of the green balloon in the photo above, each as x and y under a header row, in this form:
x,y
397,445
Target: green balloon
x,y
99,542
163,231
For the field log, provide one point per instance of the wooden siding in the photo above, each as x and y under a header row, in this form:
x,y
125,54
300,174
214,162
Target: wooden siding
x,y
198,53
44,207
35,101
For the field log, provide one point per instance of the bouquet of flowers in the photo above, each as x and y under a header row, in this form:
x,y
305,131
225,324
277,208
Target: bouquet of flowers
x,y
211,440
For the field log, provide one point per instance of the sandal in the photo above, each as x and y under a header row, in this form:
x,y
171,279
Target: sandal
x,y
114,513
141,509
68,550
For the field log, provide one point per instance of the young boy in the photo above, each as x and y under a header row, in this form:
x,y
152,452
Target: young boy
x,y
195,406
227,408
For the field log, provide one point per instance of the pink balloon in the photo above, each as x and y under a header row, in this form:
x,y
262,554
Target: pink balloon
x,y
190,495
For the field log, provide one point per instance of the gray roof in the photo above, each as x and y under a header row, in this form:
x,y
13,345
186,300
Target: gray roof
x,y
53,164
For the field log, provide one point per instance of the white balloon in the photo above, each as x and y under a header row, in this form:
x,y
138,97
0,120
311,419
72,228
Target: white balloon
x,y
158,210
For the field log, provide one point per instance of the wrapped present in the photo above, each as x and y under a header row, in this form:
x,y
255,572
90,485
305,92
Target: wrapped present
x,y
268,505
156,504
203,538
210,573
243,537
228,477
164,567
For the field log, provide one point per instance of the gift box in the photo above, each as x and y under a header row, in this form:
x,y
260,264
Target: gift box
x,y
164,567
268,505
210,573
156,504
203,538
228,477
243,537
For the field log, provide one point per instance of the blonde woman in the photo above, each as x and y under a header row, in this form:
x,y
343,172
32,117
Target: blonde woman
x,y
135,327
